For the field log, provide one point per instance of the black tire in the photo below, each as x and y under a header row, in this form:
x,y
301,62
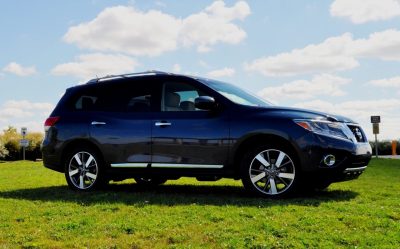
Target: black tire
x,y
270,171
146,181
84,169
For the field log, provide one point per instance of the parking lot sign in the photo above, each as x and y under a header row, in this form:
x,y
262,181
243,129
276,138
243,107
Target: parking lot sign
x,y
375,119
24,131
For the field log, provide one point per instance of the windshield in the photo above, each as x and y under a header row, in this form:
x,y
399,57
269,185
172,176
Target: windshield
x,y
234,93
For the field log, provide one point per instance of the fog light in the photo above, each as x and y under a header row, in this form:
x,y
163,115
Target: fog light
x,y
329,160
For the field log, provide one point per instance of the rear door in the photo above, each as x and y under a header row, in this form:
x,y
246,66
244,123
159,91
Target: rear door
x,y
121,124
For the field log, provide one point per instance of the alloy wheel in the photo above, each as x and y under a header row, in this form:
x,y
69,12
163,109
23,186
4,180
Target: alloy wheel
x,y
272,172
83,170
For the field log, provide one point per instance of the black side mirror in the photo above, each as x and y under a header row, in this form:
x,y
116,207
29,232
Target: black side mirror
x,y
205,103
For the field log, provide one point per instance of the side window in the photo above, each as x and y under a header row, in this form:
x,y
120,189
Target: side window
x,y
86,103
139,103
124,96
86,99
178,96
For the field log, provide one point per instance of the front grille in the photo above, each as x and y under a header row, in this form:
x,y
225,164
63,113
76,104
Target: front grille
x,y
358,133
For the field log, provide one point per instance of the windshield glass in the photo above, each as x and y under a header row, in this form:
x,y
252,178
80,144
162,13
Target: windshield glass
x,y
234,93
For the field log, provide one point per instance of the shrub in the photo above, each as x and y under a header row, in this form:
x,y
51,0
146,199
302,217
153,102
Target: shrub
x,y
3,150
11,138
33,150
385,147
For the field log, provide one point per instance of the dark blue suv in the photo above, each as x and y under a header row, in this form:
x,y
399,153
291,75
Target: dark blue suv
x,y
157,126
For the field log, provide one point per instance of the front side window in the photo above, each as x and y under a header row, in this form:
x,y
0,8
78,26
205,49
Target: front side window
x,y
177,96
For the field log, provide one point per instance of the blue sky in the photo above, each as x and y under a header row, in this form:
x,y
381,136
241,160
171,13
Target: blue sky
x,y
338,56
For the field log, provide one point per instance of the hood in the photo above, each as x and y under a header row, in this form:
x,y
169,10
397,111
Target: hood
x,y
298,113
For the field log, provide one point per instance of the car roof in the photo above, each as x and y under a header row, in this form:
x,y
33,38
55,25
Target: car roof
x,y
140,75
135,75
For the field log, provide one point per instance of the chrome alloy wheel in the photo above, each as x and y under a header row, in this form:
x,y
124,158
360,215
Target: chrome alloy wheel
x,y
83,170
272,172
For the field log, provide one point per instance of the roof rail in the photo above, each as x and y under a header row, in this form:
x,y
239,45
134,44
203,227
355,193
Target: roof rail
x,y
128,75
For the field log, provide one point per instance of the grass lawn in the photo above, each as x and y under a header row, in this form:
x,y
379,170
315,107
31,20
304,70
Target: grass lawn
x,y
37,210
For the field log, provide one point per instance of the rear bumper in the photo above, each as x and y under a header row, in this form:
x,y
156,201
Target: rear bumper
x,y
51,156
51,162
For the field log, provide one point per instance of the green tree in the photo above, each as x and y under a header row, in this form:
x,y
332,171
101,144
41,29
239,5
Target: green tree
x,y
11,143
3,150
33,150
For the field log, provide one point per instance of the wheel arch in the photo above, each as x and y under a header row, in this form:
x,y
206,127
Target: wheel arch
x,y
259,139
79,143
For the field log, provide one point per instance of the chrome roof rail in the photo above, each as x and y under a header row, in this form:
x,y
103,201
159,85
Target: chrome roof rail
x,y
128,75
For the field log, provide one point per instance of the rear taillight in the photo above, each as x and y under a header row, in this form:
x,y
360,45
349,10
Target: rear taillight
x,y
51,121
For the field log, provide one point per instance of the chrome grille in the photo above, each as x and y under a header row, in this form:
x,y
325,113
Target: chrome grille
x,y
358,133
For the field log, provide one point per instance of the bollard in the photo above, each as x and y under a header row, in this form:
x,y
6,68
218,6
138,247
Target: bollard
x,y
394,145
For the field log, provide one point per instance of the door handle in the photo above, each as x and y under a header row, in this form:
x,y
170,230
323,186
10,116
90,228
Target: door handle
x,y
162,123
98,123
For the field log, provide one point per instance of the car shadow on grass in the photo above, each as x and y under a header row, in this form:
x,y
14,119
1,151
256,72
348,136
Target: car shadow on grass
x,y
170,195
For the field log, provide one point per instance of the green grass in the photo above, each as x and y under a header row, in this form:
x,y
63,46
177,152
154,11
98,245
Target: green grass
x,y
37,210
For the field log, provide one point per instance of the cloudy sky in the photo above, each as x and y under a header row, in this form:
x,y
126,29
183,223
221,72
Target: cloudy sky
x,y
337,56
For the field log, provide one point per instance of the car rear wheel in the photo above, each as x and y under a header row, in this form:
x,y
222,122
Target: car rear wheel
x,y
146,181
83,170
270,171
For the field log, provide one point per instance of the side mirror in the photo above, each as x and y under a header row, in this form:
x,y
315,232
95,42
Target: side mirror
x,y
205,103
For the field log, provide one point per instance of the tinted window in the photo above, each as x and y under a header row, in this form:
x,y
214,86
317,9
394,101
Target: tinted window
x,y
124,96
86,102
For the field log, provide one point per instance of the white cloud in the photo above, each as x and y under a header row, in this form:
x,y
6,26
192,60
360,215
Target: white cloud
x,y
223,72
387,82
384,45
214,25
327,56
353,108
125,29
361,110
176,68
334,54
19,70
89,66
362,11
25,113
319,85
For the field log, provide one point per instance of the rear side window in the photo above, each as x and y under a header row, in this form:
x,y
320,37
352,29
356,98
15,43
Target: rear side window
x,y
86,102
115,97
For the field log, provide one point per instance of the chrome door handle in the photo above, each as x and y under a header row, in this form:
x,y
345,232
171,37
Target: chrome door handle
x,y
98,123
162,123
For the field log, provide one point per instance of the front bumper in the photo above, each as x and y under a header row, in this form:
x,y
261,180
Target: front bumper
x,y
351,159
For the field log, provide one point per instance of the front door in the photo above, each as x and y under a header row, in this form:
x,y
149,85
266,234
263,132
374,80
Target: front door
x,y
184,137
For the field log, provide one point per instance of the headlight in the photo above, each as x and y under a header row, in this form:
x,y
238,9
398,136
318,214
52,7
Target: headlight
x,y
326,128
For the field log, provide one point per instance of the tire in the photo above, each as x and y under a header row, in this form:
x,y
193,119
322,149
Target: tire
x,y
84,169
270,171
145,181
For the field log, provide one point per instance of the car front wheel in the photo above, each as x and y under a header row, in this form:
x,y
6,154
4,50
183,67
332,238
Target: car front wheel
x,y
270,171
